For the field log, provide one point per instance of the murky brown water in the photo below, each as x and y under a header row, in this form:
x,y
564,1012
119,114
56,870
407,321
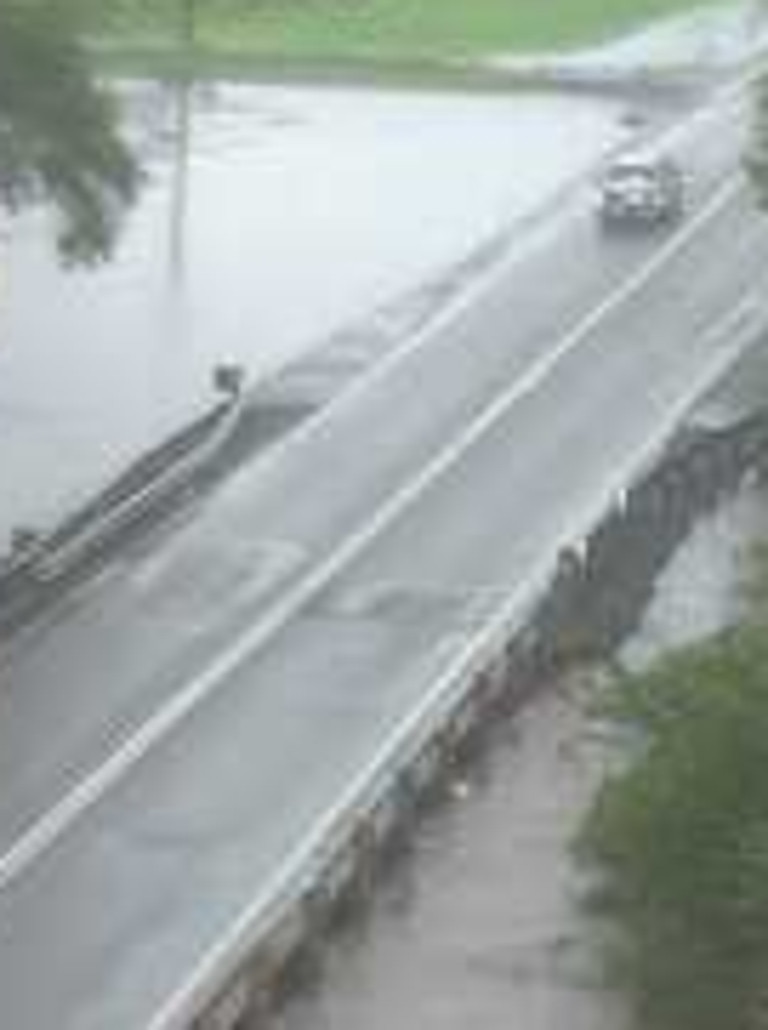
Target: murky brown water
x,y
481,928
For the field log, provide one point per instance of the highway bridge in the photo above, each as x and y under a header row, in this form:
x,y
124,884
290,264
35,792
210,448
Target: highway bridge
x,y
184,736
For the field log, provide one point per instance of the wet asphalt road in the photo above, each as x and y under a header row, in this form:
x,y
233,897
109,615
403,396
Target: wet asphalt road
x,y
131,897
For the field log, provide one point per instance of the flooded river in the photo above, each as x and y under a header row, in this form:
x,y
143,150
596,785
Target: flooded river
x,y
272,217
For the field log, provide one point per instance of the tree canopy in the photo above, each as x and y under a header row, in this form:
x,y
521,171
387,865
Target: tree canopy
x,y
58,137
679,837
756,159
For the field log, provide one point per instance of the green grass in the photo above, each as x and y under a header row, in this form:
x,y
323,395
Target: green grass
x,y
379,29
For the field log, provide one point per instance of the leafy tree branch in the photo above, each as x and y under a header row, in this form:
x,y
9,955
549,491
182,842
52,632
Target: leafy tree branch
x,y
58,138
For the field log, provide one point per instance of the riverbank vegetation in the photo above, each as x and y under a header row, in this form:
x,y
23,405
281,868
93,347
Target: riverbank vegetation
x,y
678,837
375,29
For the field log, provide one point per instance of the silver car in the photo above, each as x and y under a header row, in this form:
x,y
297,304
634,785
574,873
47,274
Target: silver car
x,y
641,189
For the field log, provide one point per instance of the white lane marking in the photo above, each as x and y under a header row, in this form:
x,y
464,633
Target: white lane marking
x,y
186,1001
32,842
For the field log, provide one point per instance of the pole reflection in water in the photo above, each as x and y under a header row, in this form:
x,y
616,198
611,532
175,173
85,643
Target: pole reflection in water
x,y
179,190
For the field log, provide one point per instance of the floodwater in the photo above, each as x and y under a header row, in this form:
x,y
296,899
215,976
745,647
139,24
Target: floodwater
x,y
703,589
273,216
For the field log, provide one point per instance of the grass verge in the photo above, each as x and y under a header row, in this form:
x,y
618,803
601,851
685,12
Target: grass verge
x,y
364,32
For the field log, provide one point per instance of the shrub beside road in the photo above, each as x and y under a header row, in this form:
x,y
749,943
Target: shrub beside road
x,y
679,836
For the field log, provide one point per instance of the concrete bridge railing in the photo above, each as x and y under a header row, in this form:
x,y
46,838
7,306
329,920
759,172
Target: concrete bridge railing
x,y
583,609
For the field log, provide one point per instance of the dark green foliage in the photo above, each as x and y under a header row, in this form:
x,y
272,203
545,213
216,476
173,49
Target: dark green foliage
x,y
680,838
756,159
57,132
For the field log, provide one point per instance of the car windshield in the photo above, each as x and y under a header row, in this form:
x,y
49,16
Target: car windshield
x,y
631,170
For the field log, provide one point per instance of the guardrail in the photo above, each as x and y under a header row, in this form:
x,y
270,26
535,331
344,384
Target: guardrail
x,y
41,559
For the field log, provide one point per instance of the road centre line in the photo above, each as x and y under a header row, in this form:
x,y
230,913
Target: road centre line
x,y
32,842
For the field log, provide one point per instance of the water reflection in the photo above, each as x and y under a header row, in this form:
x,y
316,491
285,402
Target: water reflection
x,y
58,137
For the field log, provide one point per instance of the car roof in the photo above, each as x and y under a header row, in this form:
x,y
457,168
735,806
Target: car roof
x,y
639,161
633,162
